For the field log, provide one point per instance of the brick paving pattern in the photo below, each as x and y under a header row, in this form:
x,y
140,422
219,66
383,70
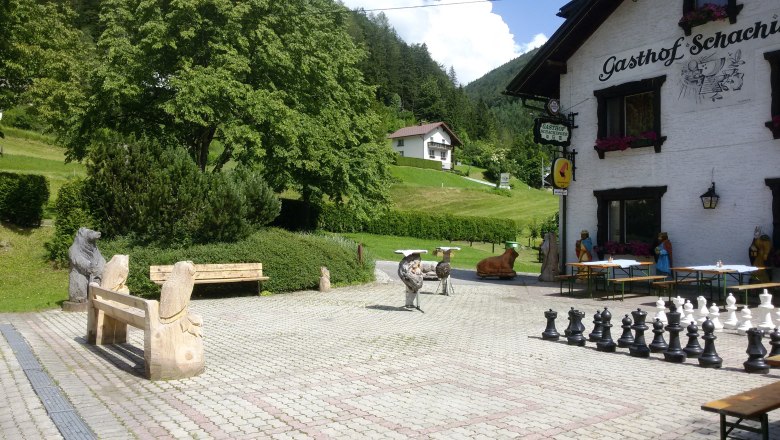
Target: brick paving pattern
x,y
351,363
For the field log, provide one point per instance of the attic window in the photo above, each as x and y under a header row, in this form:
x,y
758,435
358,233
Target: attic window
x,y
691,19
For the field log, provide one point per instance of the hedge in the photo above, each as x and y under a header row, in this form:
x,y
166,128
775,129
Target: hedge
x,y
417,163
291,260
22,198
421,225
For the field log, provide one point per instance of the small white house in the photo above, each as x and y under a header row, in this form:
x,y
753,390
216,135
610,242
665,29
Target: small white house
x,y
426,141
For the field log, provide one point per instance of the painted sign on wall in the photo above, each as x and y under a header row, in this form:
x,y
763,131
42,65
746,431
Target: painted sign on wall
x,y
562,172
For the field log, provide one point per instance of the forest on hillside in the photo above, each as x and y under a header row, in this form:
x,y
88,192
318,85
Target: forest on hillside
x,y
295,89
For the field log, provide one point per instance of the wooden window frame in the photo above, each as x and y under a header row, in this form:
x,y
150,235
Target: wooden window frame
x,y
628,89
605,197
732,10
774,80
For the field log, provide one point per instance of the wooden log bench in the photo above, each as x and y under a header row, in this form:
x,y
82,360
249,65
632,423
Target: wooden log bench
x,y
215,273
748,287
671,285
173,346
623,281
750,405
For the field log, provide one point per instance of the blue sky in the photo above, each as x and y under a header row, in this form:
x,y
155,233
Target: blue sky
x,y
472,36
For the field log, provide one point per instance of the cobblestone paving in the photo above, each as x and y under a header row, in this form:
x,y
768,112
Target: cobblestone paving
x,y
352,364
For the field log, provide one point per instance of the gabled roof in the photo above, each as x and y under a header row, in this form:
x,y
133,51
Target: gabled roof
x,y
541,76
423,129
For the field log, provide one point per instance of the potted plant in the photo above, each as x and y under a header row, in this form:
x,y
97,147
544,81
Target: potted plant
x,y
621,143
633,250
706,13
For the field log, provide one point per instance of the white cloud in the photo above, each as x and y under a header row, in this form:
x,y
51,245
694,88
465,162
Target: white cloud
x,y
468,37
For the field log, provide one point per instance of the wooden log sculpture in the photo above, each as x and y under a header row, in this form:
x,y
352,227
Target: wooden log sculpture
x,y
500,266
550,260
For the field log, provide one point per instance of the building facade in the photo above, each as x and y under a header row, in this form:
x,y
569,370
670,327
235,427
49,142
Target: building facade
x,y
426,141
671,98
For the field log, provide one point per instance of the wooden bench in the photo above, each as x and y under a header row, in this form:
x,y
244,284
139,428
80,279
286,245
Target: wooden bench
x,y
748,287
750,405
623,281
671,285
773,361
215,273
571,278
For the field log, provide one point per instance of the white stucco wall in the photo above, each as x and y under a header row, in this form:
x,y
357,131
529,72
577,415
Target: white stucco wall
x,y
725,135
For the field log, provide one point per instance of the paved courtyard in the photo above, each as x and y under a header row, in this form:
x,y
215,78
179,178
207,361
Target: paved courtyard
x,y
351,363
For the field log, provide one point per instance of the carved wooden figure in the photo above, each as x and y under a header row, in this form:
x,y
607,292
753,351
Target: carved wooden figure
x,y
501,266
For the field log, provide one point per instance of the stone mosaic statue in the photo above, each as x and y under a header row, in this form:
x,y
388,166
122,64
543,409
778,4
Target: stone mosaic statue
x,y
410,273
178,338
86,266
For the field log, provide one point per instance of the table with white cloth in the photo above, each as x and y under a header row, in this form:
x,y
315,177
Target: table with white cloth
x,y
717,273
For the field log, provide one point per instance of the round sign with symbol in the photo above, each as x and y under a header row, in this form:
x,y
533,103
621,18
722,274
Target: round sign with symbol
x,y
553,107
562,171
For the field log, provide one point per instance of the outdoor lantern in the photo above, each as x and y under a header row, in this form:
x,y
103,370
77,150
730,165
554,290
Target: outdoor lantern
x,y
710,199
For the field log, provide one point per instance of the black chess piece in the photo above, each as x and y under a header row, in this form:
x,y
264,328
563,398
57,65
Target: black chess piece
x,y
626,339
775,342
756,353
550,333
606,343
659,344
693,349
595,335
639,348
674,352
575,337
709,357
567,332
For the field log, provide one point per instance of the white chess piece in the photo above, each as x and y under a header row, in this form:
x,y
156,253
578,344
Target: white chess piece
x,y
765,310
660,313
688,309
745,323
715,317
701,311
731,320
777,318
679,303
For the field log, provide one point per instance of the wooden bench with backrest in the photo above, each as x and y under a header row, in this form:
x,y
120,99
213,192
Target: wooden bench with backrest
x,y
750,405
215,273
173,346
748,287
623,281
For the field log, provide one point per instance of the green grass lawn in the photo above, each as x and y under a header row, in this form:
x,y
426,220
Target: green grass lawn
x,y
27,281
419,177
383,247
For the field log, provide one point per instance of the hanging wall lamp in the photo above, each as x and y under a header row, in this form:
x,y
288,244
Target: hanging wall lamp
x,y
709,200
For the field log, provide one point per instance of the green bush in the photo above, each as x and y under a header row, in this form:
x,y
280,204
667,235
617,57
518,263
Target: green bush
x,y
23,198
157,194
550,225
72,213
297,215
291,260
421,225
417,163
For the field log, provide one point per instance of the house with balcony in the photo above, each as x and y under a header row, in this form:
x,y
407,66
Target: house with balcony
x,y
675,107
434,141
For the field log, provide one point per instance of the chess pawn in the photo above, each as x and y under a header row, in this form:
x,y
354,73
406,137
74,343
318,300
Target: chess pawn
x,y
688,313
701,310
659,344
575,337
606,343
775,342
693,349
626,339
715,317
674,353
731,320
765,310
550,333
709,357
567,331
660,310
746,322
639,348
756,353
595,335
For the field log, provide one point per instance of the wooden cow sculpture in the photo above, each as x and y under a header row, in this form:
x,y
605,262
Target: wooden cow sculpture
x,y
500,266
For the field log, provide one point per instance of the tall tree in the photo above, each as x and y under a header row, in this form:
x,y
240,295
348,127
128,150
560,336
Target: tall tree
x,y
274,83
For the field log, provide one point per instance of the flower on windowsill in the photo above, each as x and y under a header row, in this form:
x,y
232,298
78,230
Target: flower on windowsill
x,y
620,143
706,13
636,248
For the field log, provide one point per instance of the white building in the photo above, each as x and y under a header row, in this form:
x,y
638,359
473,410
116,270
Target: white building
x,y
698,101
426,141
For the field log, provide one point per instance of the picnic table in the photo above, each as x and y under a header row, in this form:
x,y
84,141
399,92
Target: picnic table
x,y
708,273
630,270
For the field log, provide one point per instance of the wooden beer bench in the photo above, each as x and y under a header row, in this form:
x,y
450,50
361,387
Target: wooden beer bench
x,y
750,405
748,287
623,281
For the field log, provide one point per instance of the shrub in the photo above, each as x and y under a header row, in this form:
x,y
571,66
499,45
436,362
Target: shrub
x,y
417,162
297,215
550,225
291,260
72,213
22,198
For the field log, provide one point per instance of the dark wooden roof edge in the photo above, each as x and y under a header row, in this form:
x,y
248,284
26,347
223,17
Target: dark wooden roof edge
x,y
453,136
541,76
